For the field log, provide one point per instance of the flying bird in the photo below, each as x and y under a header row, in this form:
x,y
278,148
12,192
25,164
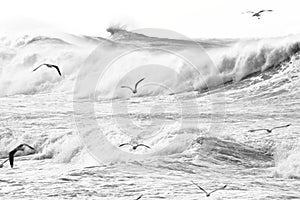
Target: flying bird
x,y
269,130
1,165
258,14
11,154
50,66
139,197
209,193
135,87
134,146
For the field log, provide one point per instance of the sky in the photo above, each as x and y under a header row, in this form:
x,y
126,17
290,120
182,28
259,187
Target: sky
x,y
192,18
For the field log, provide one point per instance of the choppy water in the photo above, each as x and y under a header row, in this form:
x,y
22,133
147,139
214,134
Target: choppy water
x,y
212,148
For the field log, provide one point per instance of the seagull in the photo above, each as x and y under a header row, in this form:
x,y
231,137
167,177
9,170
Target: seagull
x,y
1,165
21,147
135,87
134,146
258,14
269,130
50,66
139,197
208,194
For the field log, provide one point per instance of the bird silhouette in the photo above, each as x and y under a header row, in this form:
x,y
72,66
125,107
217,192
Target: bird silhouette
x,y
209,193
12,153
134,90
257,14
50,66
134,147
269,130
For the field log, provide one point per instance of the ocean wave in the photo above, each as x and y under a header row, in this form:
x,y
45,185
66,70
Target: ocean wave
x,y
232,152
231,62
287,160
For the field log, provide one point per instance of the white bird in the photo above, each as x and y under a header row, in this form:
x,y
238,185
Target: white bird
x,y
269,130
258,14
50,66
134,146
12,153
135,87
209,193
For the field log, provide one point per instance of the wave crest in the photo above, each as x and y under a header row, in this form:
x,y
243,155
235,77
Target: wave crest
x,y
226,63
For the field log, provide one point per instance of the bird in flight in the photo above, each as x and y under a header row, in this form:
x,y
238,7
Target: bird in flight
x,y
50,66
139,197
269,130
209,193
12,153
258,14
135,87
134,147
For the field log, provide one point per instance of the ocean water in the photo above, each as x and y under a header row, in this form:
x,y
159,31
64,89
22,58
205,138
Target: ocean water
x,y
195,119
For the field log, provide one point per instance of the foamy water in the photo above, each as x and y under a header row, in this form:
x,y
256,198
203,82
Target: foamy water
x,y
213,147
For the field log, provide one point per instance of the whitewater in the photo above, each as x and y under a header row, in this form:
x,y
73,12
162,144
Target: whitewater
x,y
194,109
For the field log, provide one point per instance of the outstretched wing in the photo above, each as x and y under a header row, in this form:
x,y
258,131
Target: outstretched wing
x,y
57,68
221,188
139,197
11,158
124,144
38,67
30,147
260,129
264,11
143,146
138,83
127,88
281,126
248,12
200,187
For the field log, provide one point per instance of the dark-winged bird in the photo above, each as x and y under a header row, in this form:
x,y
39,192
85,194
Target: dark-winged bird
x,y
258,14
134,90
209,193
269,130
12,153
50,66
134,146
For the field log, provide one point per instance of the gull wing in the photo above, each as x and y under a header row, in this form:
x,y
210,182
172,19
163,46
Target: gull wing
x,y
38,67
281,126
200,188
124,144
143,145
127,88
248,12
138,83
264,11
260,129
57,68
221,188
11,157
30,147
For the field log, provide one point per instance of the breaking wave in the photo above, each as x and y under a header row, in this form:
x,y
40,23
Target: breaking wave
x,y
212,66
162,61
